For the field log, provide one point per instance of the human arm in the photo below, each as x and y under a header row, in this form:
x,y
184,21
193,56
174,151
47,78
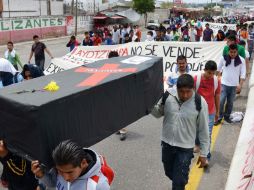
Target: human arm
x,y
30,56
48,52
18,61
68,44
158,109
242,77
203,129
220,66
217,100
48,178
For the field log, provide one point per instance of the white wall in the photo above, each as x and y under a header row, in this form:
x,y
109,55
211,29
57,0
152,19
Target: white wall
x,y
21,8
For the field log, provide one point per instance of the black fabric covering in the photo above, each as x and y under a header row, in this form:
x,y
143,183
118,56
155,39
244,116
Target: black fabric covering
x,y
33,123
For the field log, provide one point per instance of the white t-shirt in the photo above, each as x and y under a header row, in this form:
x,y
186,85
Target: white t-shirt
x,y
231,74
116,36
247,54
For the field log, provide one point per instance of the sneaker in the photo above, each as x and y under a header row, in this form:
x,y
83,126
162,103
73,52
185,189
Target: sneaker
x,y
218,122
228,120
122,136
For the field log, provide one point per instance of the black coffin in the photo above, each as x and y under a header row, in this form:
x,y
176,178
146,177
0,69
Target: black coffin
x,y
92,103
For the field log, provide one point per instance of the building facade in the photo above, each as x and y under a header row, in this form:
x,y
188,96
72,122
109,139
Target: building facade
x,y
30,8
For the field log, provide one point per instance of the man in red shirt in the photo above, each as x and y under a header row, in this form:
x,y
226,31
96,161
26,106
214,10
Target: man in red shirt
x,y
97,39
208,86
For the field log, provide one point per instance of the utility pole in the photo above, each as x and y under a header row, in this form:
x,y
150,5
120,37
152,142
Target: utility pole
x,y
49,7
40,6
9,8
94,7
1,8
76,19
72,7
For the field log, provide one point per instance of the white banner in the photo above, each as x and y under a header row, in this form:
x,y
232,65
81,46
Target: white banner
x,y
218,26
197,53
241,173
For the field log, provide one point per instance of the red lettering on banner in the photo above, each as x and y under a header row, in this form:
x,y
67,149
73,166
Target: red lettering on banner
x,y
79,53
96,54
91,54
247,180
103,52
123,52
99,74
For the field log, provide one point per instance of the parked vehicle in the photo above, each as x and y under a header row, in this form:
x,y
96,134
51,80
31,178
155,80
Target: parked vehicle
x,y
153,24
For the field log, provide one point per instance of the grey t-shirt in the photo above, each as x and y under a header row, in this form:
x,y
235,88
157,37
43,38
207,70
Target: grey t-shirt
x,y
38,49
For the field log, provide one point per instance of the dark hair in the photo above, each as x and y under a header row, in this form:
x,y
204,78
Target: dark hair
x,y
242,43
206,24
233,47
126,35
150,32
86,33
109,35
211,66
10,43
35,36
185,81
73,37
181,57
113,54
69,152
232,38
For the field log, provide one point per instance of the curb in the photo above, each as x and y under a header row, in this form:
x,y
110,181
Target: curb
x,y
42,40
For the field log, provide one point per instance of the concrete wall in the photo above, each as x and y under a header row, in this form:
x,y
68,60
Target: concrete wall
x,y
23,8
23,29
85,23
158,14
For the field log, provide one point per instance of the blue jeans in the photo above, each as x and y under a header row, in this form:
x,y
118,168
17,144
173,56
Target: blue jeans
x,y
176,162
210,124
227,94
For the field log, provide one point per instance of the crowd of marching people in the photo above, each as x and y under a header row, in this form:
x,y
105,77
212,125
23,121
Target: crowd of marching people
x,y
191,106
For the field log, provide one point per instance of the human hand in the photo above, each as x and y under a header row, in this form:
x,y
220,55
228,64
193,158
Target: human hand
x,y
36,169
4,183
202,162
238,89
3,149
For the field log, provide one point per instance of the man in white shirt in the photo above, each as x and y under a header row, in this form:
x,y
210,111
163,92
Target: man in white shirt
x,y
116,35
232,67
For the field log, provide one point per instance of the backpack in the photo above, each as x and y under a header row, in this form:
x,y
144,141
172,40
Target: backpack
x,y
197,100
106,170
215,82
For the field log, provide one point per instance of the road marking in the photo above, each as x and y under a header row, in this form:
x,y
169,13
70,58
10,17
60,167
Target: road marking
x,y
197,173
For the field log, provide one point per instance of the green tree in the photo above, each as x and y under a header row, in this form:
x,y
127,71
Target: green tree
x,y
143,7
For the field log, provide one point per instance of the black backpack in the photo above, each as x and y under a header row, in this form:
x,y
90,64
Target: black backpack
x,y
197,100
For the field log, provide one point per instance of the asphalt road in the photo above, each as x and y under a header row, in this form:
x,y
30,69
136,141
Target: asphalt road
x,y
137,160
